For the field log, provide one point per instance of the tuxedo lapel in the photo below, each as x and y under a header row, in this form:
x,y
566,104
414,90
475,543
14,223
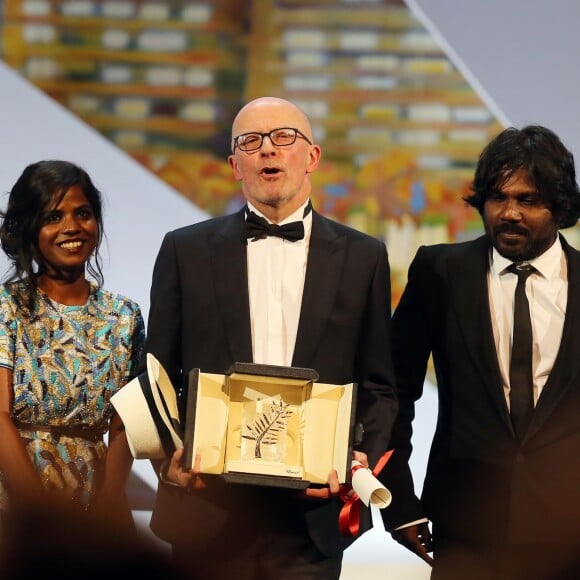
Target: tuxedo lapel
x,y
567,363
230,270
325,259
467,276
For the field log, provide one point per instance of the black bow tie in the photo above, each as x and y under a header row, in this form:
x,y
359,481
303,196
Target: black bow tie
x,y
258,228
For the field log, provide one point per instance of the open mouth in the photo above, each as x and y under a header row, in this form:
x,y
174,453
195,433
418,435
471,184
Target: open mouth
x,y
73,245
270,171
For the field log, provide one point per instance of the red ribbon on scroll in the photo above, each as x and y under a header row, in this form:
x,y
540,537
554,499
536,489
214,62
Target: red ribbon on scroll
x,y
349,517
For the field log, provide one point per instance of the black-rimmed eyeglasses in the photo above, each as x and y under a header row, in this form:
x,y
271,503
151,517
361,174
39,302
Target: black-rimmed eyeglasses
x,y
280,137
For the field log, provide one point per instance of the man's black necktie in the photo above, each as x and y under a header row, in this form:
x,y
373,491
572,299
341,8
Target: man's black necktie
x,y
258,228
521,377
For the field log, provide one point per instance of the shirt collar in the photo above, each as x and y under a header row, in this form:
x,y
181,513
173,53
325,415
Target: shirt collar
x,y
547,264
297,216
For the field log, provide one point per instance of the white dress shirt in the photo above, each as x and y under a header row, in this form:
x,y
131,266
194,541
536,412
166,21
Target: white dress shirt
x,y
547,293
276,273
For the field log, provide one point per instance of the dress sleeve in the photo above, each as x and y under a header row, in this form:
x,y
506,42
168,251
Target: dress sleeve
x,y
7,330
136,344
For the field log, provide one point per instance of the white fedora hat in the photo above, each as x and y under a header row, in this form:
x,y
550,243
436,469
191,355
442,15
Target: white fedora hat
x,y
148,408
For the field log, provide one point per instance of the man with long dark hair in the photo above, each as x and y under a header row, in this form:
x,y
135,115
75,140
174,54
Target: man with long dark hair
x,y
501,318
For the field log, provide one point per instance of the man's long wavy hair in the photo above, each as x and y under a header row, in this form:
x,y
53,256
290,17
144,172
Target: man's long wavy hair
x,y
546,162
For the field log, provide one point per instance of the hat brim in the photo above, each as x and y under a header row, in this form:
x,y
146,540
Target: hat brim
x,y
148,408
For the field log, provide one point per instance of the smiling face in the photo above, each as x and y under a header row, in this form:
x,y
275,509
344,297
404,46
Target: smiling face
x,y
68,236
274,178
518,221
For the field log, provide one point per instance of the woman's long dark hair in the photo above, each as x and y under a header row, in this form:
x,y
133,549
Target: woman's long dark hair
x,y
41,186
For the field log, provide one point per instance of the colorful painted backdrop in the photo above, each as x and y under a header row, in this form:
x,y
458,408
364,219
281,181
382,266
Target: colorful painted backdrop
x,y
400,127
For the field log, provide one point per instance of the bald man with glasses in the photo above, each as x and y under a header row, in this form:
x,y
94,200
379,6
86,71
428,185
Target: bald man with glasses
x,y
279,284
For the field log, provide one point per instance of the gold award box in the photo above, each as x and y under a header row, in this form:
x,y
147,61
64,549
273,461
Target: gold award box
x,y
269,425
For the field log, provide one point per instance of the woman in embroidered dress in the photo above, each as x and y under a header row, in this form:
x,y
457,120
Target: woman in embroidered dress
x,y
66,346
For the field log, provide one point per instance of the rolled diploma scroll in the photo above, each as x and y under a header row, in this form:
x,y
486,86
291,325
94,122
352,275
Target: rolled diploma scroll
x,y
368,487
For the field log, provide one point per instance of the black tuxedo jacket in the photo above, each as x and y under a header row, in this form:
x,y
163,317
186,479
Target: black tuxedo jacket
x,y
200,318
482,483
